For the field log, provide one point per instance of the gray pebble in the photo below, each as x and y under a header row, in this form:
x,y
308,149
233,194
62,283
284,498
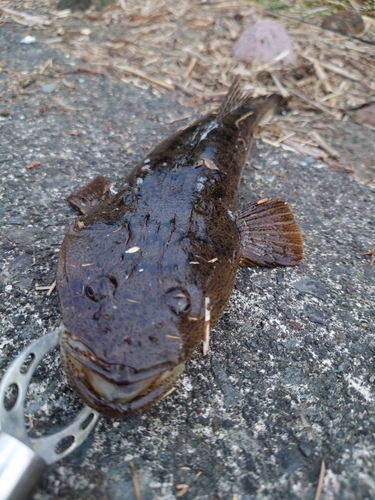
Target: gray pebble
x,y
305,449
343,367
314,314
288,458
312,287
26,236
310,160
48,88
230,393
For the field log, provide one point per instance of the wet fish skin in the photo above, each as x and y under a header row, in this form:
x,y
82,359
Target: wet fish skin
x,y
134,271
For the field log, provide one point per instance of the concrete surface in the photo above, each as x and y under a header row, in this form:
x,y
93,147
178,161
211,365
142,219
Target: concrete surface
x,y
290,378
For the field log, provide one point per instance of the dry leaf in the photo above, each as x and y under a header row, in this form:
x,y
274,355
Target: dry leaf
x,y
33,164
210,164
304,149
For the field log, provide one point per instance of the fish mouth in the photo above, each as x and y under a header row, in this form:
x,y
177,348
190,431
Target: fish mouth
x,y
111,398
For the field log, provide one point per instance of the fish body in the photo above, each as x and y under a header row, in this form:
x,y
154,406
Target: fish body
x,y
137,271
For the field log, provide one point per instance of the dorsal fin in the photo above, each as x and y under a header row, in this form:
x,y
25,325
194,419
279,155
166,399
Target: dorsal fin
x,y
233,99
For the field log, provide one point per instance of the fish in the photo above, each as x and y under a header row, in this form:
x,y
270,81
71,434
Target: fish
x,y
144,273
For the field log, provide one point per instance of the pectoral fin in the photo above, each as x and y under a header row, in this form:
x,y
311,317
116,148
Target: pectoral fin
x,y
269,235
93,193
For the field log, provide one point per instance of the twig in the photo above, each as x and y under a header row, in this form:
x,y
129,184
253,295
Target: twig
x,y
144,76
207,321
322,76
182,490
341,72
285,137
82,69
322,143
315,104
190,68
179,119
122,4
353,37
50,288
372,253
280,87
186,91
29,20
137,491
320,481
304,149
45,66
337,167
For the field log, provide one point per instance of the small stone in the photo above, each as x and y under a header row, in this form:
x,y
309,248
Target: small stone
x,y
263,42
288,459
228,424
305,449
26,236
309,159
28,39
343,367
365,114
311,287
165,458
48,88
347,21
250,465
294,413
249,485
230,393
314,314
216,424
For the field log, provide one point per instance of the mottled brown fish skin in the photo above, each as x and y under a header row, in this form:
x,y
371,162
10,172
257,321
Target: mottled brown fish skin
x,y
134,271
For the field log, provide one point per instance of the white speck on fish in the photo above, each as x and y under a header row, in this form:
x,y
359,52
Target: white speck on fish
x,y
132,250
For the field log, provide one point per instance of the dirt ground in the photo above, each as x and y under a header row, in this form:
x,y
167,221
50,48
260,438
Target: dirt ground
x,y
186,52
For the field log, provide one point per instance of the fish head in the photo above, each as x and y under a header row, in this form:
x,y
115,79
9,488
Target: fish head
x,y
129,327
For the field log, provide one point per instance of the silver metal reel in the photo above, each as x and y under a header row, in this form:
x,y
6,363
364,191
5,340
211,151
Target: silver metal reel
x,y
23,459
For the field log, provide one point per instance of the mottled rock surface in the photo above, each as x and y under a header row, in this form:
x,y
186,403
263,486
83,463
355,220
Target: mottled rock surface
x,y
290,378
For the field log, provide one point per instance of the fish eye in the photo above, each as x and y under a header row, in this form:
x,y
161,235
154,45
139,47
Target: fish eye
x,y
90,293
178,300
